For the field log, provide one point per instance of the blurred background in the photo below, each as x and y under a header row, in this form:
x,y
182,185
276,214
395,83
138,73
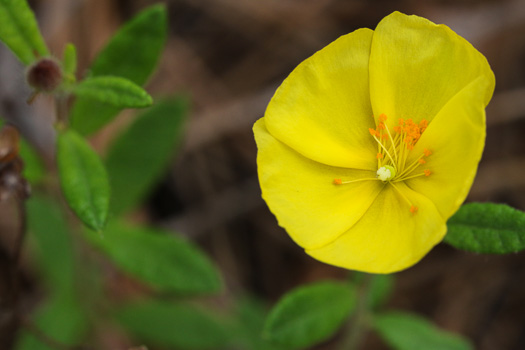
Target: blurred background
x,y
228,57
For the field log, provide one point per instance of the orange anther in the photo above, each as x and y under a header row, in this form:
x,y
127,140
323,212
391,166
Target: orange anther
x,y
382,117
372,132
401,121
427,152
338,182
381,125
427,172
413,209
379,156
422,161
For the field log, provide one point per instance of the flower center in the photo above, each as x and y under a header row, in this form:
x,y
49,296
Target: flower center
x,y
393,149
385,173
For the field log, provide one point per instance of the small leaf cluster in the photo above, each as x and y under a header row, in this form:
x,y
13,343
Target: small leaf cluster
x,y
73,246
312,314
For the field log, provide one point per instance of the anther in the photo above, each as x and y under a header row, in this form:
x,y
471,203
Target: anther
x,y
413,209
379,156
422,161
427,172
427,152
338,182
382,117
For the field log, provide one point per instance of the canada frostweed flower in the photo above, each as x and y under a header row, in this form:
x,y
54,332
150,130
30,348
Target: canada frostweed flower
x,y
371,144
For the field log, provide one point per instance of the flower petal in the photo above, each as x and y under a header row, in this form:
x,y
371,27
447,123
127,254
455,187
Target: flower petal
x,y
322,110
456,138
302,195
416,67
388,238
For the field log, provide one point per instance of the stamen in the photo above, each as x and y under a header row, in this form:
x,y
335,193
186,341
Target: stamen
x,y
413,208
341,182
379,156
427,172
427,152
392,159
422,161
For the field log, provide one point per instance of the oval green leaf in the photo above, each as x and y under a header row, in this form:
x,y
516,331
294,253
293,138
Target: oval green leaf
x,y
53,248
62,319
69,62
19,30
487,228
138,157
409,332
132,53
115,91
161,259
174,325
83,179
309,314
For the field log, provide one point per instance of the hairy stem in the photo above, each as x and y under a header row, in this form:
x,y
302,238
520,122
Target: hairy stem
x,y
358,325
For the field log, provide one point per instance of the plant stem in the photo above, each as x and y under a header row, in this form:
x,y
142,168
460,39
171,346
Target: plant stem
x,y
358,325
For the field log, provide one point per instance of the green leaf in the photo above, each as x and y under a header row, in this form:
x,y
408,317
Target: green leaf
x,y
138,157
309,314
61,319
69,62
409,332
380,290
83,179
53,248
251,315
33,167
133,54
115,91
161,259
174,325
19,30
379,286
487,228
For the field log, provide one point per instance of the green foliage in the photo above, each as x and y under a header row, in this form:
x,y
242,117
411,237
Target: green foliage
x,y
380,290
178,325
19,30
69,62
115,91
137,158
251,315
33,167
487,228
309,314
161,259
380,287
62,319
83,179
133,54
408,332
53,247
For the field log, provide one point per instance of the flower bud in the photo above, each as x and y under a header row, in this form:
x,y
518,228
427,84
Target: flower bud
x,y
44,75
9,143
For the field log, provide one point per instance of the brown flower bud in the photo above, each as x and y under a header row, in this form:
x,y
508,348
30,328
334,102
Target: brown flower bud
x,y
44,75
9,143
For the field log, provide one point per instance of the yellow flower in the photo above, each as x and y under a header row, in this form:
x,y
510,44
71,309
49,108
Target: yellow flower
x,y
371,144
